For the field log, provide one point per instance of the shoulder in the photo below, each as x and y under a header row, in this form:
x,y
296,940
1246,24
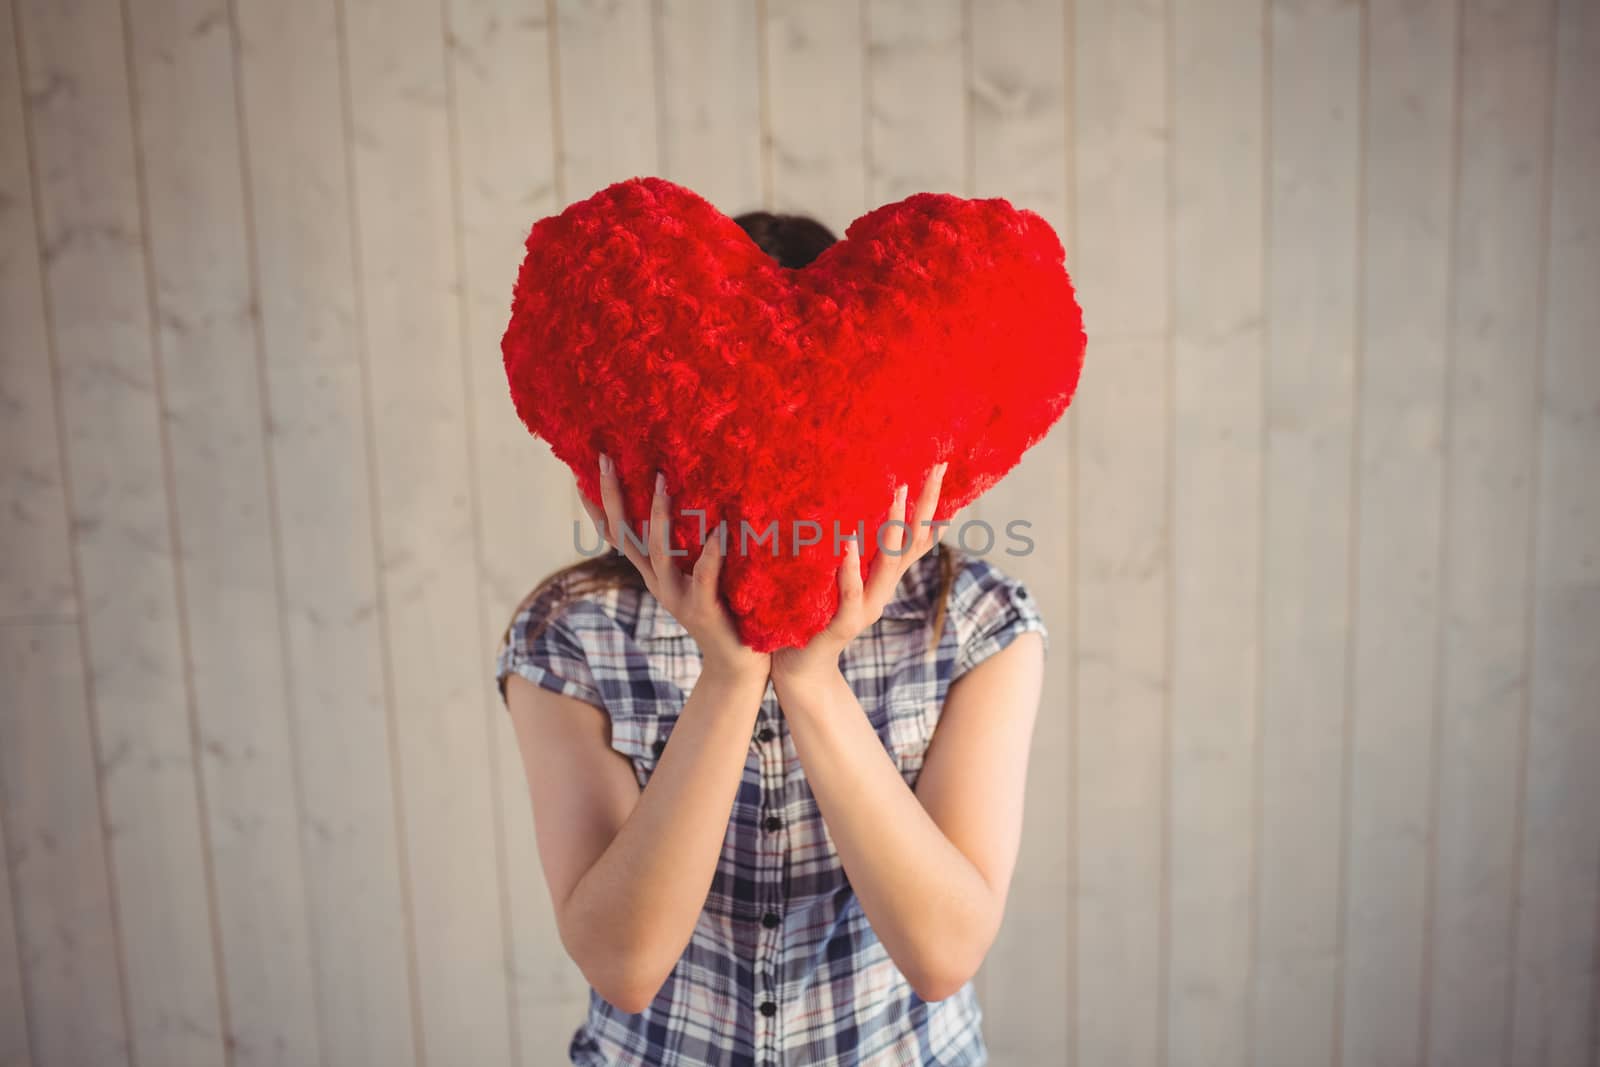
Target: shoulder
x,y
557,632
981,587
989,607
559,607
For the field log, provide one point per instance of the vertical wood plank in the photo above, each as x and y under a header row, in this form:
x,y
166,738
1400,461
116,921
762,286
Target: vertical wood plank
x,y
917,116
1558,898
504,117
309,337
1122,533
1017,100
14,1048
606,130
1218,155
1123,142
79,112
1408,182
1017,90
410,287
608,121
1123,164
1490,434
919,124
36,566
816,110
710,99
52,839
1313,225
181,55
55,851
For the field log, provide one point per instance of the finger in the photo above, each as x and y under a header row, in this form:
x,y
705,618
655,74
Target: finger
x,y
667,574
927,504
708,568
616,519
596,516
850,590
893,560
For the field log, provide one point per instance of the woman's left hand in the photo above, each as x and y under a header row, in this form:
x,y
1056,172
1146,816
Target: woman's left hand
x,y
861,604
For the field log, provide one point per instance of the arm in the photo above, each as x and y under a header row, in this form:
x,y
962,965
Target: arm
x,y
629,871
932,868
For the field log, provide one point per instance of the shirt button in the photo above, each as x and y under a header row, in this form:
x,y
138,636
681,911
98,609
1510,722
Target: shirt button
x,y
770,919
766,734
768,1008
773,822
660,745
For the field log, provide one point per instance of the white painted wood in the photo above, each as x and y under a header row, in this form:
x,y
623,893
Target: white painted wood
x,y
1018,99
917,125
609,125
1405,270
52,841
407,255
292,118
1218,293
1122,142
504,118
81,127
709,92
816,109
66,933
186,122
1122,533
36,566
1490,433
14,1047
1314,174
1557,997
605,130
1122,130
917,108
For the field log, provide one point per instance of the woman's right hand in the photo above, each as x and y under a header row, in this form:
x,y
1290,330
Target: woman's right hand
x,y
690,598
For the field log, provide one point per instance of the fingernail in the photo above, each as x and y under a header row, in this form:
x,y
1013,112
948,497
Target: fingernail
x,y
661,484
605,463
900,493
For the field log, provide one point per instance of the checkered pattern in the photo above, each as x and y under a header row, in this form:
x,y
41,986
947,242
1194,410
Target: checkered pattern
x,y
783,967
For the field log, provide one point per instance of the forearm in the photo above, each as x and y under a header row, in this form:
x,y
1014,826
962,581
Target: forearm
x,y
633,912
928,904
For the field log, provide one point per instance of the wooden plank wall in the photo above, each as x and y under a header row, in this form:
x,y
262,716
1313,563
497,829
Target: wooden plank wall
x,y
1317,774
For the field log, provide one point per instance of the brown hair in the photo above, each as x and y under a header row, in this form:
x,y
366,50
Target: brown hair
x,y
794,241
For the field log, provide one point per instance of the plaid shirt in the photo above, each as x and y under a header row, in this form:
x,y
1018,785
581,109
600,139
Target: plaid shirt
x,y
783,967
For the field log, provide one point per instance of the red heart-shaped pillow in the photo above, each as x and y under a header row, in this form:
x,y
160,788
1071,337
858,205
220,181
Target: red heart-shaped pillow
x,y
646,324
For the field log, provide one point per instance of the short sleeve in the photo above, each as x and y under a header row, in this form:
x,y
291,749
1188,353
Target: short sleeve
x,y
991,609
554,658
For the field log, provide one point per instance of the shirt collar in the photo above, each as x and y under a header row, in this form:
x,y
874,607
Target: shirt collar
x,y
911,600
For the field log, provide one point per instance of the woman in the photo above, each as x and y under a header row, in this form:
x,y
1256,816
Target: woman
x,y
798,858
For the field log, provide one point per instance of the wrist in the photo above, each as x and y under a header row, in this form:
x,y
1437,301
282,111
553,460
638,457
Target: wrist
x,y
814,662
802,687
745,672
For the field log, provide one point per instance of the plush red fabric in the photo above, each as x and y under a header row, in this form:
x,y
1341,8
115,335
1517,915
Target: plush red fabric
x,y
646,324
